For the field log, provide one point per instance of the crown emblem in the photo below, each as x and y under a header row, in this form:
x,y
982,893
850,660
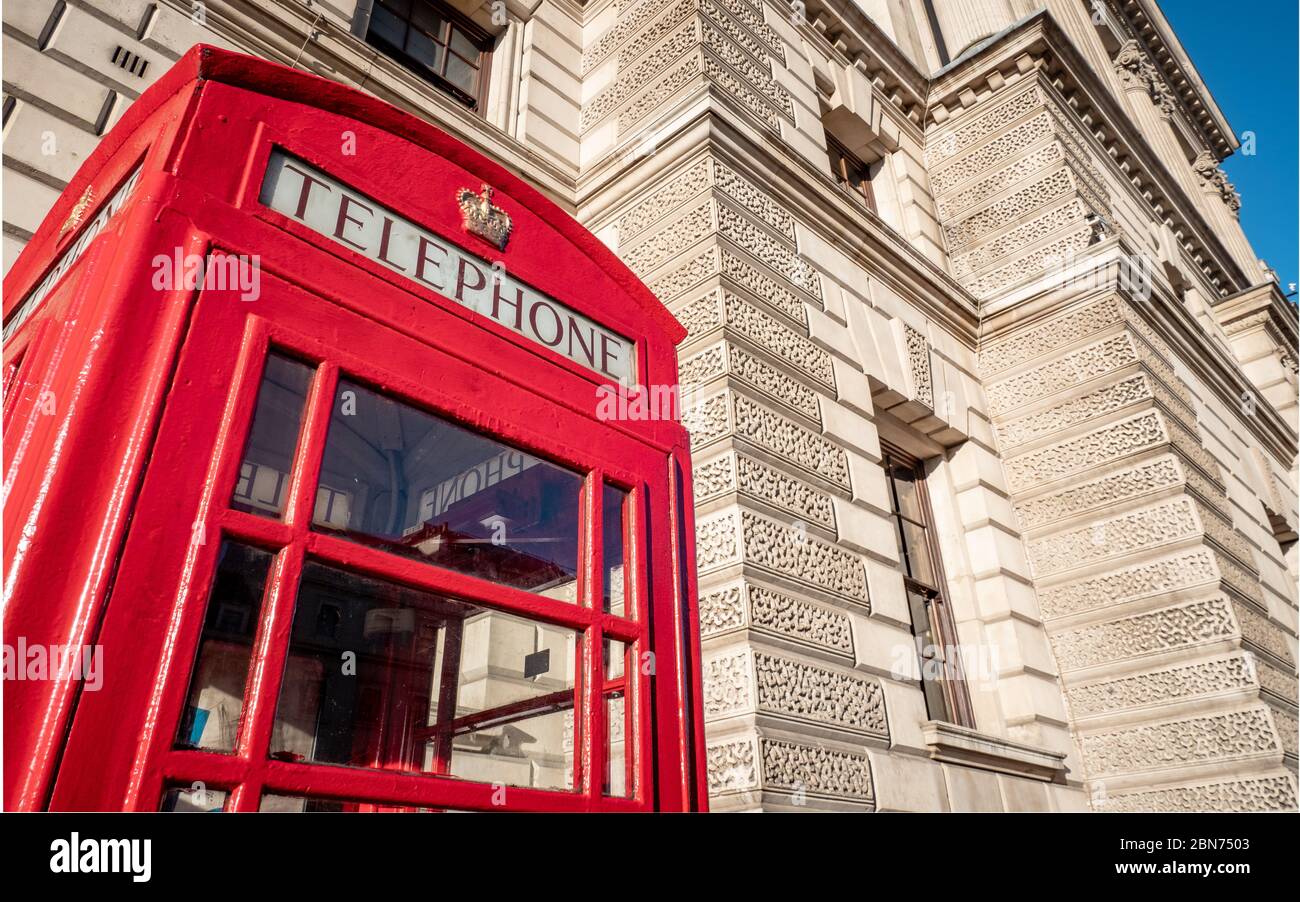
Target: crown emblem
x,y
481,217
78,212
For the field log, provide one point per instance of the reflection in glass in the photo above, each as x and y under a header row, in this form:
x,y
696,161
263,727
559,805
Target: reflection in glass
x,y
216,696
268,455
196,799
416,681
614,506
615,746
423,487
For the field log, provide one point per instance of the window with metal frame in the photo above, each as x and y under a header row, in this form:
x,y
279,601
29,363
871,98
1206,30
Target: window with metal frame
x,y
450,607
942,680
436,42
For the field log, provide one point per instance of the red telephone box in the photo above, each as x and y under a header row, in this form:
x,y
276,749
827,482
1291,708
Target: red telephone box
x,y
307,480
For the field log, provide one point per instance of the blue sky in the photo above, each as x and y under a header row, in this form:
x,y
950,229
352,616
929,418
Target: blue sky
x,y
1246,53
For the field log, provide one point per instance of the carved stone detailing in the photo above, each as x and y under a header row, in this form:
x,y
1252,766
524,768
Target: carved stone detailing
x,y
985,188
816,771
1220,530
1089,362
787,551
703,174
820,695
1277,682
1077,410
788,440
1263,634
726,358
658,93
1178,571
717,541
763,610
731,767
630,53
1037,343
791,552
633,80
1265,794
1169,684
1058,254
722,611
947,145
1190,446
1137,71
788,766
1287,725
664,200
997,150
1051,186
1218,737
775,255
794,618
755,282
1147,476
728,685
1151,527
1177,626
753,78
918,359
666,243
721,308
1107,443
750,19
626,26
740,90
754,200
997,250
688,275
732,473
758,682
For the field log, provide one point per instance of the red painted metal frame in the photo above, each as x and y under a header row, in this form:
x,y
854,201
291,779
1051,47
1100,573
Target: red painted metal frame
x,y
115,502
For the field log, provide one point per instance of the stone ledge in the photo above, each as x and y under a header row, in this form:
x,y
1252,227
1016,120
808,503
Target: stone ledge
x,y
961,745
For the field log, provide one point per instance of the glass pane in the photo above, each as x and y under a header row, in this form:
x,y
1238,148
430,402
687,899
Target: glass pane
x,y
422,48
196,799
427,19
909,502
614,513
386,26
615,659
616,746
268,455
461,74
931,655
461,43
216,696
425,488
919,565
405,679
298,805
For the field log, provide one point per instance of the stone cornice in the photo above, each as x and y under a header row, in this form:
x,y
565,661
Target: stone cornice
x,y
1149,25
1261,305
847,33
1038,42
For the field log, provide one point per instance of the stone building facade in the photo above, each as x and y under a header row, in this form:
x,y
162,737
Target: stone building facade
x,y
1040,317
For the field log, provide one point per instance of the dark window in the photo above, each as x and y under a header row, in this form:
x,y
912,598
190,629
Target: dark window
x,y
852,174
435,41
932,622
